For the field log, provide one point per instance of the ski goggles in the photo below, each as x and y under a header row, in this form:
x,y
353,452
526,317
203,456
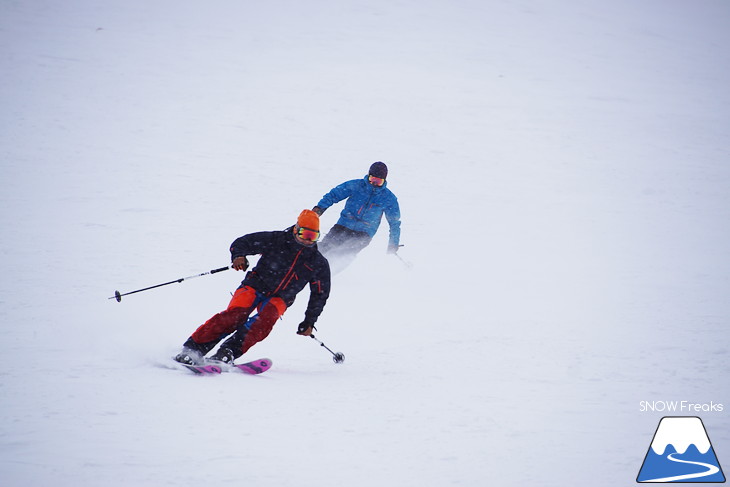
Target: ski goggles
x,y
308,234
376,181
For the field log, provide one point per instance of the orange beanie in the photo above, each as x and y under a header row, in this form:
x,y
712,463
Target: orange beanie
x,y
308,219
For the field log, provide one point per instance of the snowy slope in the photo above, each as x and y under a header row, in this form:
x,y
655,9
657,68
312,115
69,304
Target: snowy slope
x,y
563,178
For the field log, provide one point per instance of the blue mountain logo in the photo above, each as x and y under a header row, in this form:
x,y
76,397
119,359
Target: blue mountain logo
x,y
681,452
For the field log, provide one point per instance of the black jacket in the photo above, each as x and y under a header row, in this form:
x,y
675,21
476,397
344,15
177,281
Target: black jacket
x,y
284,268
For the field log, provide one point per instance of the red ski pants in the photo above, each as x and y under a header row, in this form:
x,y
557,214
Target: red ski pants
x,y
245,300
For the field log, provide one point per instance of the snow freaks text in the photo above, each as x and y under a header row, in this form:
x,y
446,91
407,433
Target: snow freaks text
x,y
680,407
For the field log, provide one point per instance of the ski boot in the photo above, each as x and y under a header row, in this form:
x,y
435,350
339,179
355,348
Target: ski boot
x,y
223,356
189,356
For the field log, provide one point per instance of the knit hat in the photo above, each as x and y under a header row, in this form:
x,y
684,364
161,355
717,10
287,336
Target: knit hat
x,y
308,219
379,170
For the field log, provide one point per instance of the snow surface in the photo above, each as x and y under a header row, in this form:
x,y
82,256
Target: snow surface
x,y
562,169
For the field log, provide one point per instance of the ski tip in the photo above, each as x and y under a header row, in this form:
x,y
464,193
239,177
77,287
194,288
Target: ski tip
x,y
255,366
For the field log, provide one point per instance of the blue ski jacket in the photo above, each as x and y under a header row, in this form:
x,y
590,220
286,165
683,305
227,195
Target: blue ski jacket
x,y
365,207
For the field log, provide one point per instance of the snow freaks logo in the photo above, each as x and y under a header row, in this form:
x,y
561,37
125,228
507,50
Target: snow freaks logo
x,y
680,407
680,452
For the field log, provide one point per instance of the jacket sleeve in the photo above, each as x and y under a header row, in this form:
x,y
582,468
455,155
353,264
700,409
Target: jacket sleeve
x,y
251,244
392,214
319,291
337,194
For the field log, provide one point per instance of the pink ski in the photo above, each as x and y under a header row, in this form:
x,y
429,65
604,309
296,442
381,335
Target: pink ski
x,y
255,367
203,369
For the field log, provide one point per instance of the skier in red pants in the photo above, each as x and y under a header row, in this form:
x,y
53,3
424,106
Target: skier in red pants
x,y
289,261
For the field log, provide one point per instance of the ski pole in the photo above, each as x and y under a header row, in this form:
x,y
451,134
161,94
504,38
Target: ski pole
x,y
118,295
338,357
408,265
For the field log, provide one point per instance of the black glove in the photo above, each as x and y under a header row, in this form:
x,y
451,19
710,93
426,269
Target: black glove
x,y
240,263
305,328
318,210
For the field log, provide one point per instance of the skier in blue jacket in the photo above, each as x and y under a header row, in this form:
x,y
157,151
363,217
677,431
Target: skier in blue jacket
x,y
368,199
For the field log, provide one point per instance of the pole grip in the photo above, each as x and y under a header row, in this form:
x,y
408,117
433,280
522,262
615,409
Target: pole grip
x,y
219,270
